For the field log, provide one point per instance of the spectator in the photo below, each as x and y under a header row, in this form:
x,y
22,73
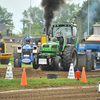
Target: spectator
x,y
0,53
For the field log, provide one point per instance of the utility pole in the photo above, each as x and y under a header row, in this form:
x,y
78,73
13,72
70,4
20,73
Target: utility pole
x,y
30,17
88,17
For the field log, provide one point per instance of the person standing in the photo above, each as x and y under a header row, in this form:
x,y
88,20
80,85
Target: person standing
x,y
0,53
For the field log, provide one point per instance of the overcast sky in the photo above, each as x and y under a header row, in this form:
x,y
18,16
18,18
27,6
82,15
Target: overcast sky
x,y
18,6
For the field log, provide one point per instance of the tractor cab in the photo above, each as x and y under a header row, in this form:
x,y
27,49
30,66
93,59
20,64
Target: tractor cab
x,y
26,41
68,31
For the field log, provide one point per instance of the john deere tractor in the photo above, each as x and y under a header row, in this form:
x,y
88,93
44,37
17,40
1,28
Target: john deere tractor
x,y
61,50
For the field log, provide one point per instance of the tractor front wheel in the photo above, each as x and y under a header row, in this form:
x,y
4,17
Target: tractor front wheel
x,y
57,63
17,63
35,65
16,60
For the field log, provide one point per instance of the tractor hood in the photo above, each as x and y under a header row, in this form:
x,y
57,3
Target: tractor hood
x,y
27,46
94,38
50,48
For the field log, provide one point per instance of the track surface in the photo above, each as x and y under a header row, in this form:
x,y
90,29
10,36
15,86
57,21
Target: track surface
x,y
32,73
53,94
56,94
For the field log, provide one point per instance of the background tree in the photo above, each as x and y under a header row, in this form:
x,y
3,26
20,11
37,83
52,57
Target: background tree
x,y
94,14
6,19
67,13
35,30
37,21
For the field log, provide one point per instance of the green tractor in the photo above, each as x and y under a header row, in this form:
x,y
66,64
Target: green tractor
x,y
60,51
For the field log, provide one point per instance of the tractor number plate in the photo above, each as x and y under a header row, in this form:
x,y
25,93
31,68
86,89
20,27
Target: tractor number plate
x,y
42,61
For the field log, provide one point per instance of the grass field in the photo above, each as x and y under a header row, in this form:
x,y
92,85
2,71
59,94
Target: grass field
x,y
12,63
23,65
44,82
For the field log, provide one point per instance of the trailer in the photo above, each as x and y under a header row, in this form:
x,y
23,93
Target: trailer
x,y
89,51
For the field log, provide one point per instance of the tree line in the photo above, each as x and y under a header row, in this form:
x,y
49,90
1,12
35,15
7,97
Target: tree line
x,y
67,13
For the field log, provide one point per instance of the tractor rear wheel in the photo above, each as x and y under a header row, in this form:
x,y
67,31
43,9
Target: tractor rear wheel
x,y
35,65
17,57
69,54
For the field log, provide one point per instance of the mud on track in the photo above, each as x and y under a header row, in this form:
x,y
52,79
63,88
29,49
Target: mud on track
x,y
32,73
75,93
54,94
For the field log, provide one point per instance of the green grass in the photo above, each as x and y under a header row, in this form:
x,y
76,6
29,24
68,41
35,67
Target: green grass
x,y
44,82
12,63
23,65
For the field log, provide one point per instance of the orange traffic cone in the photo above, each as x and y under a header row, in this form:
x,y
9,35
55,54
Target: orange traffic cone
x,y
23,80
83,77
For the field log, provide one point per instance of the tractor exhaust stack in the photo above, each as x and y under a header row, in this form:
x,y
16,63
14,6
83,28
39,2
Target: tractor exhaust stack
x,y
49,7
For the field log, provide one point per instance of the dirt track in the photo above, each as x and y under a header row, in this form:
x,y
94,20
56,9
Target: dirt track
x,y
32,73
54,94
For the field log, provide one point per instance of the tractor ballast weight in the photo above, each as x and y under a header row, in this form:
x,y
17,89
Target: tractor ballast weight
x,y
24,53
61,50
5,57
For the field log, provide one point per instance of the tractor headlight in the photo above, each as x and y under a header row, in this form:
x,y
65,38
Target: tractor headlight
x,y
81,45
98,54
19,50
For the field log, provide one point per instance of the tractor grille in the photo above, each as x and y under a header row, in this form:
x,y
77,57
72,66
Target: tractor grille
x,y
48,52
54,46
46,46
2,47
26,51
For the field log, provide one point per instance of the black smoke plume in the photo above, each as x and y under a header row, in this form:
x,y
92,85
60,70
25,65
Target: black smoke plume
x,y
49,7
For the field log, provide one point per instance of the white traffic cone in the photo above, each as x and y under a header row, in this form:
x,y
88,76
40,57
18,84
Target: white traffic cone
x,y
99,86
9,73
71,72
